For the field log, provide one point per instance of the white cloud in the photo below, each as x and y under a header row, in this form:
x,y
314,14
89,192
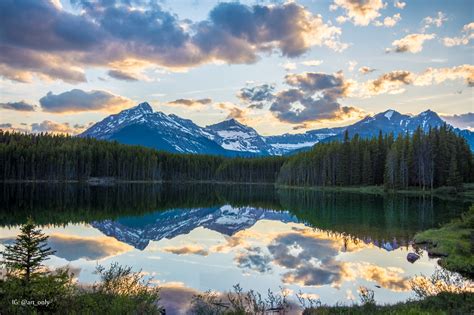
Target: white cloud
x,y
467,34
390,21
412,43
399,4
436,21
359,12
312,63
288,66
351,65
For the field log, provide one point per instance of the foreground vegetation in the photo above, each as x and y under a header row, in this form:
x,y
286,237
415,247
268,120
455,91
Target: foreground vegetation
x,y
453,242
424,160
30,288
443,303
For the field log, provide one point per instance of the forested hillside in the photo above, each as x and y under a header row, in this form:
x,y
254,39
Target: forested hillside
x,y
436,158
427,160
57,157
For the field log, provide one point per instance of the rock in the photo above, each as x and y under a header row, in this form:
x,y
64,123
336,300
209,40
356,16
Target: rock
x,y
412,257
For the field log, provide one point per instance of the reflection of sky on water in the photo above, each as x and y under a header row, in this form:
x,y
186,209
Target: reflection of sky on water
x,y
261,254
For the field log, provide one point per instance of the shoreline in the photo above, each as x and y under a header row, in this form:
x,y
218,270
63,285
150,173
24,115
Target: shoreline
x,y
468,192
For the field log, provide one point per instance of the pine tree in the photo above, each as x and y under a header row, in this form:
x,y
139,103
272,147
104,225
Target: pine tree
x,y
24,258
454,178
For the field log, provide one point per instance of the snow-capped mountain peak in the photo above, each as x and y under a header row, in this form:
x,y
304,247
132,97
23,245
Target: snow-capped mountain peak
x,y
389,113
232,135
144,107
139,125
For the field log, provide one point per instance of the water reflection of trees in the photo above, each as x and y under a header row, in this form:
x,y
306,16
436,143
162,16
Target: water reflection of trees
x,y
386,220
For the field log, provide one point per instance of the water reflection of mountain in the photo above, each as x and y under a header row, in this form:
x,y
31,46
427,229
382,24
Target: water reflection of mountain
x,y
138,231
386,220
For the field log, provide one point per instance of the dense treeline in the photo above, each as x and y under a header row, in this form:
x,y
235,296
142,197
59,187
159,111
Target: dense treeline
x,y
426,160
57,157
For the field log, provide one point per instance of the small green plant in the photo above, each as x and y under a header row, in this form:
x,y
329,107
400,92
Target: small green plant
x,y
441,281
239,302
120,290
366,296
307,301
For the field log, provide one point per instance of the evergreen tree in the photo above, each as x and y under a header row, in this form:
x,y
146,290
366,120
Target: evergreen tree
x,y
24,258
454,178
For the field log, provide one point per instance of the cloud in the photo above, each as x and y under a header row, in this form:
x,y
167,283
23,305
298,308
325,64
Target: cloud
x,y
236,113
316,81
359,12
439,75
390,82
89,248
389,278
351,65
389,21
399,5
52,127
21,106
310,260
412,43
436,21
120,75
187,250
191,102
366,70
6,126
467,34
42,40
394,82
12,128
47,126
463,121
288,66
312,63
176,298
254,259
257,96
78,100
312,96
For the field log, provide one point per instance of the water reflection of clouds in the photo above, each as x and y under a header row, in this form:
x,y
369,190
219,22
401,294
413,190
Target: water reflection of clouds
x,y
267,255
253,258
73,248
187,250
312,264
389,277
308,257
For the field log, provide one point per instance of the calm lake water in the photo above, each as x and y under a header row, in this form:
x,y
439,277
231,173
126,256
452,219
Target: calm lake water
x,y
193,238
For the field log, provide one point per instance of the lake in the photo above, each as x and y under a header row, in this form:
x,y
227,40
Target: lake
x,y
200,237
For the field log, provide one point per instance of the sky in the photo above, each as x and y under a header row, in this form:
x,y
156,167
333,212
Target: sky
x,y
273,65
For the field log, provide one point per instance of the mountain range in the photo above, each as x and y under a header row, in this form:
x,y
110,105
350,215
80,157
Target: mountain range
x,y
139,125
227,220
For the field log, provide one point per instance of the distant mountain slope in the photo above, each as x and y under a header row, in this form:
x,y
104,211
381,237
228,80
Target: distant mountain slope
x,y
392,121
287,143
232,135
139,125
227,220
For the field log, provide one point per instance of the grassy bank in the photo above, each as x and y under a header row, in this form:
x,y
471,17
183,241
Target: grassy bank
x,y
453,242
443,303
